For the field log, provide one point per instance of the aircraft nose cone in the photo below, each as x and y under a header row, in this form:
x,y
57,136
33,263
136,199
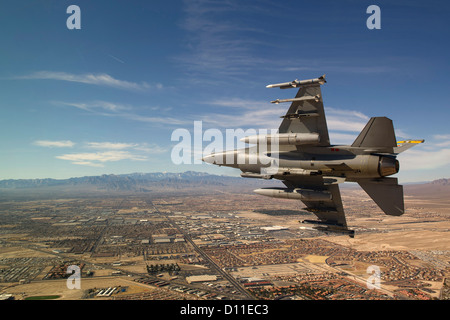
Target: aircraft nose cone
x,y
209,159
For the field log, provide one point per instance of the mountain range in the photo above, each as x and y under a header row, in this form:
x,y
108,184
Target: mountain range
x,y
124,182
439,188
163,183
156,183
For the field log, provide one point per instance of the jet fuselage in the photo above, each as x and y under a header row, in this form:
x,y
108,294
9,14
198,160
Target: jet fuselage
x,y
333,161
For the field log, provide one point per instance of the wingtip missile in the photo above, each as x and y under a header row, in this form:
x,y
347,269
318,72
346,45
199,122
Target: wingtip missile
x,y
284,85
322,78
296,83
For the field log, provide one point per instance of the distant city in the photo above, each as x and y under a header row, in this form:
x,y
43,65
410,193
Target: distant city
x,y
196,236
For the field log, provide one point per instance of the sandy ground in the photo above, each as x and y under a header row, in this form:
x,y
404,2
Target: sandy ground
x,y
59,287
397,240
19,252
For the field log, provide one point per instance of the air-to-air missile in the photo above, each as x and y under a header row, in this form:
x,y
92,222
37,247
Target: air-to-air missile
x,y
296,193
297,83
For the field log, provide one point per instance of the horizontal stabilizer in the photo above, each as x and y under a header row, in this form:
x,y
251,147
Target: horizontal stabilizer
x,y
378,134
386,193
406,144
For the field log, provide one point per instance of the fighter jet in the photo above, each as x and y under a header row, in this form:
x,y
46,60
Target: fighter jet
x,y
301,156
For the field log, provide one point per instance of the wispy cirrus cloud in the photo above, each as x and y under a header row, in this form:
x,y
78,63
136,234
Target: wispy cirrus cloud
x,y
97,154
144,147
99,158
265,115
101,79
218,41
347,113
225,41
127,112
111,145
243,104
53,143
444,140
95,106
344,124
434,154
413,159
342,67
235,113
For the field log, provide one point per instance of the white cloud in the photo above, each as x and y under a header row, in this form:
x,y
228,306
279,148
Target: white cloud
x,y
144,147
442,136
97,158
111,145
424,159
223,42
344,124
88,163
216,45
346,113
110,109
342,138
115,58
340,67
246,113
428,156
241,103
444,140
111,152
101,79
57,144
443,144
155,119
263,118
257,114
95,106
151,148
239,113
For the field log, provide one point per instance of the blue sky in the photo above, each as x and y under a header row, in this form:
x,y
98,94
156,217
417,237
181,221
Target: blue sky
x,y
106,98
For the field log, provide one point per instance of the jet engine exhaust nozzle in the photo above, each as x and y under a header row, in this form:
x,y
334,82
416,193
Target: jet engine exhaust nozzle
x,y
388,166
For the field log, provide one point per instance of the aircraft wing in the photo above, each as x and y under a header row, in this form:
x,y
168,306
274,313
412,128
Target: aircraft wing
x,y
306,113
330,213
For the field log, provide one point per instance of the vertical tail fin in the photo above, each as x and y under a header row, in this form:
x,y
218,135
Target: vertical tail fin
x,y
378,134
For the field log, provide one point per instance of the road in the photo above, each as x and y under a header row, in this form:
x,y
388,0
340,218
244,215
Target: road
x,y
225,274
205,256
